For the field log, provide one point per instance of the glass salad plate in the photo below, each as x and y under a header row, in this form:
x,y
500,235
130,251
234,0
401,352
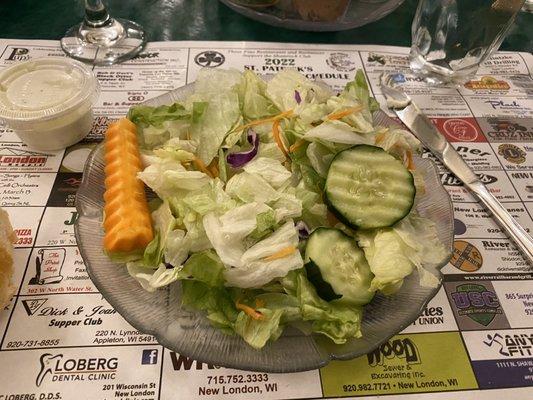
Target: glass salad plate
x,y
189,333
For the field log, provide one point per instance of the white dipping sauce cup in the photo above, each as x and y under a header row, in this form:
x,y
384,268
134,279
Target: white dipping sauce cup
x,y
48,101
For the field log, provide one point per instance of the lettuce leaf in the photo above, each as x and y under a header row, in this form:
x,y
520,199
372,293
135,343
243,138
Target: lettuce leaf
x,y
266,224
211,197
270,150
217,88
219,304
226,233
177,247
216,301
281,90
205,267
287,206
255,104
339,322
164,222
359,89
254,269
271,170
251,188
400,143
320,158
151,279
169,178
256,332
212,81
337,132
147,115
393,253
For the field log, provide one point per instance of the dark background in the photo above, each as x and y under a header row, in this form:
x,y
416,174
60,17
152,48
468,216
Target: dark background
x,y
211,20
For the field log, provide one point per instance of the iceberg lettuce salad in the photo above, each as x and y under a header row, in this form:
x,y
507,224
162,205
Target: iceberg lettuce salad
x,y
239,169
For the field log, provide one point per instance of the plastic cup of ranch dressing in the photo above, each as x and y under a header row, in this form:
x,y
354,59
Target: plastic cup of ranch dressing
x,y
48,101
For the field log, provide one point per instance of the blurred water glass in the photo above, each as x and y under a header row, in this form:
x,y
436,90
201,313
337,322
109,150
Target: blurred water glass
x,y
451,38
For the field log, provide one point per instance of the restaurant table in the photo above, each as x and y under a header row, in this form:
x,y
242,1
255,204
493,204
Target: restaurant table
x,y
60,339
211,20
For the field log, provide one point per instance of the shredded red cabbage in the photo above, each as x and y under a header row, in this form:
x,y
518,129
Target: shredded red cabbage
x,y
237,160
303,230
297,97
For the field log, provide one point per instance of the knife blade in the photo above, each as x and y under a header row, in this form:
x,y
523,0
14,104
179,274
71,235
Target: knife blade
x,y
424,130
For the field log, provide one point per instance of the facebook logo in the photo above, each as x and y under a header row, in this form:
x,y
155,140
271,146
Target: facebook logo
x,y
149,356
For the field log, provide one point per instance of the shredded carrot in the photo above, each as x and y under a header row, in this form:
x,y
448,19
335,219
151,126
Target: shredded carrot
x,y
410,163
281,254
380,137
296,145
214,171
199,164
213,167
277,137
344,113
249,311
264,121
259,303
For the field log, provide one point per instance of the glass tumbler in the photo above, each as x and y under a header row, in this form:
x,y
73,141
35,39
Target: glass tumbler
x,y
451,38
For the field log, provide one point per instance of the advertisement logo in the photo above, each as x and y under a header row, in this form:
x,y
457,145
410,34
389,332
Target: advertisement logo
x,y
487,83
180,362
516,345
341,62
19,54
476,302
449,179
460,130
504,125
459,227
16,157
47,361
502,105
401,78
149,357
512,153
395,62
378,58
209,58
503,129
48,264
404,349
141,56
33,305
60,369
466,256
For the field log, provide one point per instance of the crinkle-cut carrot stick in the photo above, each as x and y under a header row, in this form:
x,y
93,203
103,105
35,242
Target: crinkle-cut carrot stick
x,y
127,222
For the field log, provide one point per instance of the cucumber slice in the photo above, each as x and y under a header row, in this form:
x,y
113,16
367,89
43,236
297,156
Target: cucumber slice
x,y
343,269
367,188
323,288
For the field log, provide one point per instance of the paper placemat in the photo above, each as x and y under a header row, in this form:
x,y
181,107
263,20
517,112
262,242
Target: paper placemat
x,y
61,340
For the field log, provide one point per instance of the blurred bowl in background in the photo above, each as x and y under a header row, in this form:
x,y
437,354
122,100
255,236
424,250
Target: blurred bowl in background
x,y
314,15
